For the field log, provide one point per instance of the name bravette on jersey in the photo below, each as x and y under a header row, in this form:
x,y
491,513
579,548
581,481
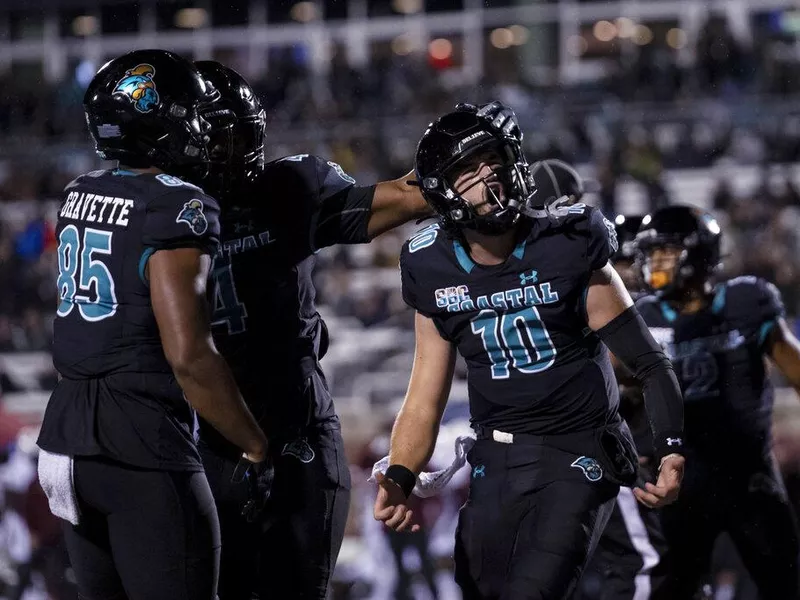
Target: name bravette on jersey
x,y
96,208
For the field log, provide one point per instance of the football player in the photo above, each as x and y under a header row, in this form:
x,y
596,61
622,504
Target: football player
x,y
526,294
275,218
132,344
632,557
718,337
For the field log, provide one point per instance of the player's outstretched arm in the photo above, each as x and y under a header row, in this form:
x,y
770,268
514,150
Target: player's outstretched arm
x,y
178,294
417,424
396,202
784,350
611,314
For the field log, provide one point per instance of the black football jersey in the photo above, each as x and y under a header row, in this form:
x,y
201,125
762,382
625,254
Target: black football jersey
x,y
533,364
265,318
105,332
718,354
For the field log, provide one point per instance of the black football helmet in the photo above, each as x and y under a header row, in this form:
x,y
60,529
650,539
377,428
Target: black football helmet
x,y
555,179
627,226
695,232
238,128
143,109
447,144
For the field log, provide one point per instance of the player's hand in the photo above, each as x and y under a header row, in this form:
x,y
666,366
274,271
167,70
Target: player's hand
x,y
259,477
255,457
666,489
390,505
501,117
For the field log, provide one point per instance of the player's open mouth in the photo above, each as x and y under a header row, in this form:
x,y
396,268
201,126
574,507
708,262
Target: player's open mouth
x,y
494,194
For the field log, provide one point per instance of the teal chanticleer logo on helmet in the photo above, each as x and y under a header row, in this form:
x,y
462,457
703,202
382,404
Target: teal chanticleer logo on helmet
x,y
138,86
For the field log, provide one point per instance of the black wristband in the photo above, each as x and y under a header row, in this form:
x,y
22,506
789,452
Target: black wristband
x,y
668,443
403,477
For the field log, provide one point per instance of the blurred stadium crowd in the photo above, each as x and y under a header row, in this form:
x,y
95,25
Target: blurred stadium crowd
x,y
722,134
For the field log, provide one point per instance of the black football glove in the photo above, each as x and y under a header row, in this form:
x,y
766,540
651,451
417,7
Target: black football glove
x,y
501,117
259,478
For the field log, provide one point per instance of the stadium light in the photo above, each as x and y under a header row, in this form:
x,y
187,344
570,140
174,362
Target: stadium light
x,y
403,45
440,49
677,38
85,25
605,31
643,35
625,27
407,7
577,45
191,18
520,34
304,12
501,38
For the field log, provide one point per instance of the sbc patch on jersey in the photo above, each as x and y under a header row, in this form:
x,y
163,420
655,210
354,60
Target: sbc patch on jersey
x,y
451,295
340,172
590,467
192,214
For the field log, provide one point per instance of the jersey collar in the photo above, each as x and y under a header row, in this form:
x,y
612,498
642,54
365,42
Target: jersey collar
x,y
467,264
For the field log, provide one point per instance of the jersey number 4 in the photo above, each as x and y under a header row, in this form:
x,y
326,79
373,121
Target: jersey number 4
x,y
517,340
79,270
227,308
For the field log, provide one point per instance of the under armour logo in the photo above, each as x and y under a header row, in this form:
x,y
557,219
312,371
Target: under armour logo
x,y
674,441
478,471
532,278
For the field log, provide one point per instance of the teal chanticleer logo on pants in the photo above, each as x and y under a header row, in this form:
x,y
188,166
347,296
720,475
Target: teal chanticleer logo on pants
x,y
590,467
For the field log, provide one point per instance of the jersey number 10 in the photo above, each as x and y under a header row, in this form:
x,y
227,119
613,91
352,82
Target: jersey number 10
x,y
78,270
517,340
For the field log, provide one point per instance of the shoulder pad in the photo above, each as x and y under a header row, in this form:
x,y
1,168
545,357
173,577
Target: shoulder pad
x,y
749,296
322,168
423,238
293,158
172,181
79,179
413,262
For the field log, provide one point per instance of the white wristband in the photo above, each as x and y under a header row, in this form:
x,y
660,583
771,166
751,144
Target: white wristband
x,y
661,464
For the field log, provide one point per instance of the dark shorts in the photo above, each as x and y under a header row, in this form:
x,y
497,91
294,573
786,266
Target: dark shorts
x,y
291,553
143,535
531,521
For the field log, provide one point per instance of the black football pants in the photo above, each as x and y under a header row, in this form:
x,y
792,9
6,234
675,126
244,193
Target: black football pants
x,y
632,554
530,524
291,552
747,499
143,535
